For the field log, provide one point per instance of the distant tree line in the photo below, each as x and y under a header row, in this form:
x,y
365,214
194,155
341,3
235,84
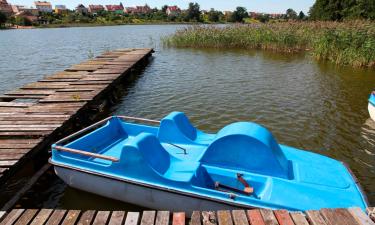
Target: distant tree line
x,y
336,10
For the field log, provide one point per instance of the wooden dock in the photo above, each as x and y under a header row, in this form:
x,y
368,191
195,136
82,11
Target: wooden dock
x,y
33,116
352,216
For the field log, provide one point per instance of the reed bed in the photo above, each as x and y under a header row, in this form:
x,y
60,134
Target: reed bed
x,y
349,43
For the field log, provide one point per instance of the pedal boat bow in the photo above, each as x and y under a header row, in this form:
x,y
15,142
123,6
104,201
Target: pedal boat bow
x,y
174,166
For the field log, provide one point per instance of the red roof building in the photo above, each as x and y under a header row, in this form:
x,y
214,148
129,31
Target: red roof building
x,y
173,10
115,8
95,8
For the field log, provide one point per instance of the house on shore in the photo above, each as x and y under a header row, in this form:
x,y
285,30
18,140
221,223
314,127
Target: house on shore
x,y
43,6
95,8
138,9
6,8
20,8
173,10
119,9
81,9
61,9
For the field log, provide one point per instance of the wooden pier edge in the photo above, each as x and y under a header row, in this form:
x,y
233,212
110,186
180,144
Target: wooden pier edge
x,y
352,216
64,101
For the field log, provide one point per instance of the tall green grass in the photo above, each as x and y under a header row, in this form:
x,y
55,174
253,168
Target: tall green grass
x,y
349,43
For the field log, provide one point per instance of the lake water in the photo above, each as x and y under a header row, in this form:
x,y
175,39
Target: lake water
x,y
309,105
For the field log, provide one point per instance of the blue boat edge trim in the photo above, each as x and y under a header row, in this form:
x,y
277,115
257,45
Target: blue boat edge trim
x,y
358,184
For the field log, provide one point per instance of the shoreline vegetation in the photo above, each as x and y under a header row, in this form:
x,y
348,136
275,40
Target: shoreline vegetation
x,y
343,43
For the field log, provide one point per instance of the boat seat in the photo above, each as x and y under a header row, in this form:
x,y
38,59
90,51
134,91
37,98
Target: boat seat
x,y
162,162
176,127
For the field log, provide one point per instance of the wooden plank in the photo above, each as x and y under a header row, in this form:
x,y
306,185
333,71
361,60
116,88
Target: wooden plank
x,y
239,217
12,216
101,218
16,104
344,214
224,217
331,218
178,218
117,218
86,217
268,217
56,217
299,218
24,92
148,218
7,163
20,141
194,220
42,216
255,217
209,218
26,217
283,217
315,217
360,216
71,217
13,97
132,218
11,156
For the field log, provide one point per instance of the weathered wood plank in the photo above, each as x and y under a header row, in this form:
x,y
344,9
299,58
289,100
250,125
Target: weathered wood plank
x,y
12,216
7,163
283,217
132,218
360,216
224,217
42,216
101,218
344,214
86,217
194,220
117,218
71,217
299,218
209,218
56,217
315,217
331,217
16,104
24,92
239,217
148,218
26,217
268,217
178,218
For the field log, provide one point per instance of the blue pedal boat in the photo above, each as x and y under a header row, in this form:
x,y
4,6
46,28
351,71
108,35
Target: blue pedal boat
x,y
175,166
371,105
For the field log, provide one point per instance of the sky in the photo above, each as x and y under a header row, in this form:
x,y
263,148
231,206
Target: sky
x,y
267,6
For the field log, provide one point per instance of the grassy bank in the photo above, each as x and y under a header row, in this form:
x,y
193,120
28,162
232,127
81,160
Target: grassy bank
x,y
349,43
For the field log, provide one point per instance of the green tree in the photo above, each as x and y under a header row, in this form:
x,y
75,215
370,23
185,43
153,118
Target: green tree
x,y
301,16
164,8
239,14
3,18
342,9
291,14
213,15
193,12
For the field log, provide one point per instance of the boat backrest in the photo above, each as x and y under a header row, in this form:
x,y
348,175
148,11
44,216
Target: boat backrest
x,y
176,127
153,152
248,147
